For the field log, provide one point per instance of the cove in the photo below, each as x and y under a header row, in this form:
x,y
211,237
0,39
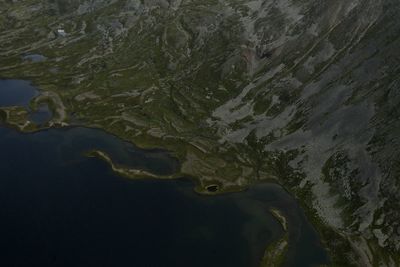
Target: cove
x,y
60,208
16,93
20,93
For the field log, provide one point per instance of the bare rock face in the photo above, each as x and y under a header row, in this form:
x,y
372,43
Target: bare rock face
x,y
302,91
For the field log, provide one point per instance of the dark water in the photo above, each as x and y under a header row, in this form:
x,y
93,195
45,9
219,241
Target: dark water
x,y
16,93
59,208
20,93
42,115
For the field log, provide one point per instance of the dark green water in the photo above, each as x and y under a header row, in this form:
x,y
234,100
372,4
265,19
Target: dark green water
x,y
59,208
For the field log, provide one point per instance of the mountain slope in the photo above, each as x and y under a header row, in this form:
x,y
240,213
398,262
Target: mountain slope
x,y
303,92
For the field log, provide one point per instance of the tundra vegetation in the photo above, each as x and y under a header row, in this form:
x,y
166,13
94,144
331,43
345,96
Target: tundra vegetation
x,y
301,92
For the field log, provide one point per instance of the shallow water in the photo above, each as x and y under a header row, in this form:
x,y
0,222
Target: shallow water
x,y
59,208
34,58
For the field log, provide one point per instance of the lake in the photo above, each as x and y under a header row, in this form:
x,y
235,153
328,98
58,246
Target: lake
x,y
60,208
16,93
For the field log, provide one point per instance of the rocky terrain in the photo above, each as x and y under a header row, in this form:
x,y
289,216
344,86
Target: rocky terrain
x,y
301,92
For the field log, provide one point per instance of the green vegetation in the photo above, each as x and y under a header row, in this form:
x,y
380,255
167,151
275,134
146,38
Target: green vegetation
x,y
188,77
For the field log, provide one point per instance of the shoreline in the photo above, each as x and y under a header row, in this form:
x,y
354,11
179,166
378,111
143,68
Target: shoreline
x,y
199,186
137,174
